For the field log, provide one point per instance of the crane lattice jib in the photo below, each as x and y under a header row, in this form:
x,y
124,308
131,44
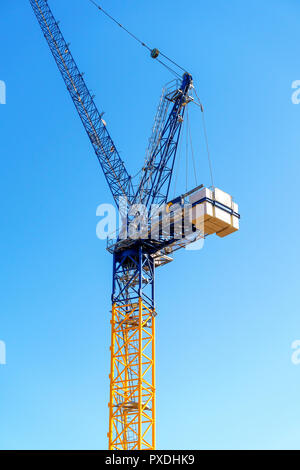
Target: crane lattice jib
x,y
155,183
113,167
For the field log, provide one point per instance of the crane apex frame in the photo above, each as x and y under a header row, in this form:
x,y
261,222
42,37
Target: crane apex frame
x,y
132,368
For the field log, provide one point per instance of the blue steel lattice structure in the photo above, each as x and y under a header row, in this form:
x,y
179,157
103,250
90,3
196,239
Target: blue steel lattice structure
x,y
155,183
132,376
112,165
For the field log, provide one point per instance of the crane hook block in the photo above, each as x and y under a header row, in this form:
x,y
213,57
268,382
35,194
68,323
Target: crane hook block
x,y
154,53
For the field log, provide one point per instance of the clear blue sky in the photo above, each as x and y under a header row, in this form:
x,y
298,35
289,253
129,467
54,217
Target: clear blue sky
x,y
228,313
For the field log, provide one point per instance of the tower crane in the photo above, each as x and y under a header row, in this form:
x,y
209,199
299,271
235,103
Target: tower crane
x,y
136,257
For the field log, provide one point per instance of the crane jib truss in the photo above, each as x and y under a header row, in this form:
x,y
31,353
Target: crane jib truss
x,y
112,165
132,372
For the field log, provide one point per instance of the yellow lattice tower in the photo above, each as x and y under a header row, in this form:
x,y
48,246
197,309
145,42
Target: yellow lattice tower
x,y
132,378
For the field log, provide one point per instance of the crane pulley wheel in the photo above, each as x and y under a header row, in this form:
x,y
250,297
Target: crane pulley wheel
x,y
154,53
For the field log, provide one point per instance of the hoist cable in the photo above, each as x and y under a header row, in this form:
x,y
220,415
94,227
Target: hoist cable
x,y
121,26
192,149
140,41
186,156
206,141
178,163
177,75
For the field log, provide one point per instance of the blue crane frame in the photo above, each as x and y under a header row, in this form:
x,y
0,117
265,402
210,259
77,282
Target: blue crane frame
x,y
134,265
